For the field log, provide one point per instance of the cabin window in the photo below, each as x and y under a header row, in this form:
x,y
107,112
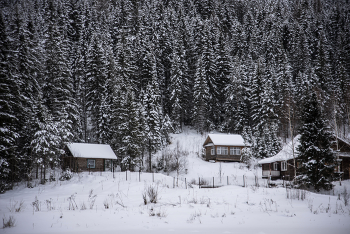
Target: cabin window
x,y
275,166
235,151
91,163
213,150
284,166
222,150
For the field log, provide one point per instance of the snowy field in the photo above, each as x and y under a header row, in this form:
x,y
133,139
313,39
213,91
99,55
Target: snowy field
x,y
99,203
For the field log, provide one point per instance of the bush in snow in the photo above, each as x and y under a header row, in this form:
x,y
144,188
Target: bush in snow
x,y
10,222
66,175
345,196
152,193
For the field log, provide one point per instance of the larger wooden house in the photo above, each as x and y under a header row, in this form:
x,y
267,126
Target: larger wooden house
x,y
224,147
84,157
281,166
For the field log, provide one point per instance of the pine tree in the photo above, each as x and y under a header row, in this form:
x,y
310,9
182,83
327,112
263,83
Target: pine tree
x,y
99,89
152,117
9,110
130,149
316,157
201,97
178,87
223,73
47,142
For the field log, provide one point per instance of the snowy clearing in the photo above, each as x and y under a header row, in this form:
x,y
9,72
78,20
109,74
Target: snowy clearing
x,y
99,203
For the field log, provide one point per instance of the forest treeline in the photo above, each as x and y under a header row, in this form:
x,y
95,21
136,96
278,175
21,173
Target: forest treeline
x,y
127,73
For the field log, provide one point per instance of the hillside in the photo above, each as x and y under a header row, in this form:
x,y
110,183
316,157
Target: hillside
x,y
99,203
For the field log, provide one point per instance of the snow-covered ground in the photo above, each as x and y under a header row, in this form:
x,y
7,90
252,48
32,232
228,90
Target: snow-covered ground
x,y
99,203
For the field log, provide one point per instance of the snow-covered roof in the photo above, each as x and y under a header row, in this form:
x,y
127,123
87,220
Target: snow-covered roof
x,y
285,154
227,139
84,150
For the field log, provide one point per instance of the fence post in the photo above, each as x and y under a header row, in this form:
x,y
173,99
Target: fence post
x,y
243,181
227,180
199,182
140,175
173,182
213,182
185,183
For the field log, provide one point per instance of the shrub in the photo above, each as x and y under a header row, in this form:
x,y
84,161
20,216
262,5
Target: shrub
x,y
345,196
66,175
36,204
152,193
92,199
10,222
16,206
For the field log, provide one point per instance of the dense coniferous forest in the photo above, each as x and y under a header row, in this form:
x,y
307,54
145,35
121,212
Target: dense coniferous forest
x,y
127,73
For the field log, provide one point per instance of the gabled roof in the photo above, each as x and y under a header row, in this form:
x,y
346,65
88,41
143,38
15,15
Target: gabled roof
x,y
285,154
84,150
225,139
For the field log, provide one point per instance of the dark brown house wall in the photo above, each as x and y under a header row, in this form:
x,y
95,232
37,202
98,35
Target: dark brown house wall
x,y
80,164
228,157
289,173
345,168
208,155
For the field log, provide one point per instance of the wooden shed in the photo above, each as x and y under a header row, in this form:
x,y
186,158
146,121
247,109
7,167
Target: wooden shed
x,y
224,147
84,157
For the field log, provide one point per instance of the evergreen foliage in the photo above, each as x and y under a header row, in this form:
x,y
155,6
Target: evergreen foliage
x,y
316,157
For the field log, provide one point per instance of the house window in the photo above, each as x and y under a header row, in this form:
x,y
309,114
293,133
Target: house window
x,y
213,150
284,166
232,151
275,166
91,163
222,150
235,151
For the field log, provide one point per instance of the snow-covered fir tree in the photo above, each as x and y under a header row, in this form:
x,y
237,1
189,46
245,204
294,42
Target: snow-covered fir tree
x,y
316,158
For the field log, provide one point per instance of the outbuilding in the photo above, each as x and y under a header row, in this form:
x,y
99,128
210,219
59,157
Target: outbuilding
x,y
224,147
84,157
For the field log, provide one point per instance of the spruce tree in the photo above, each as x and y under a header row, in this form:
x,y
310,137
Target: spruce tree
x,y
152,117
316,157
9,110
130,149
201,97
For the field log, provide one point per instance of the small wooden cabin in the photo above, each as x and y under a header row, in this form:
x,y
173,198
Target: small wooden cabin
x,y
224,147
85,157
281,166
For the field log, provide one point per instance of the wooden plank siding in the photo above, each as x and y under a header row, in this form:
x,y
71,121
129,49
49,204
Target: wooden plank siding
x,y
221,157
80,164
